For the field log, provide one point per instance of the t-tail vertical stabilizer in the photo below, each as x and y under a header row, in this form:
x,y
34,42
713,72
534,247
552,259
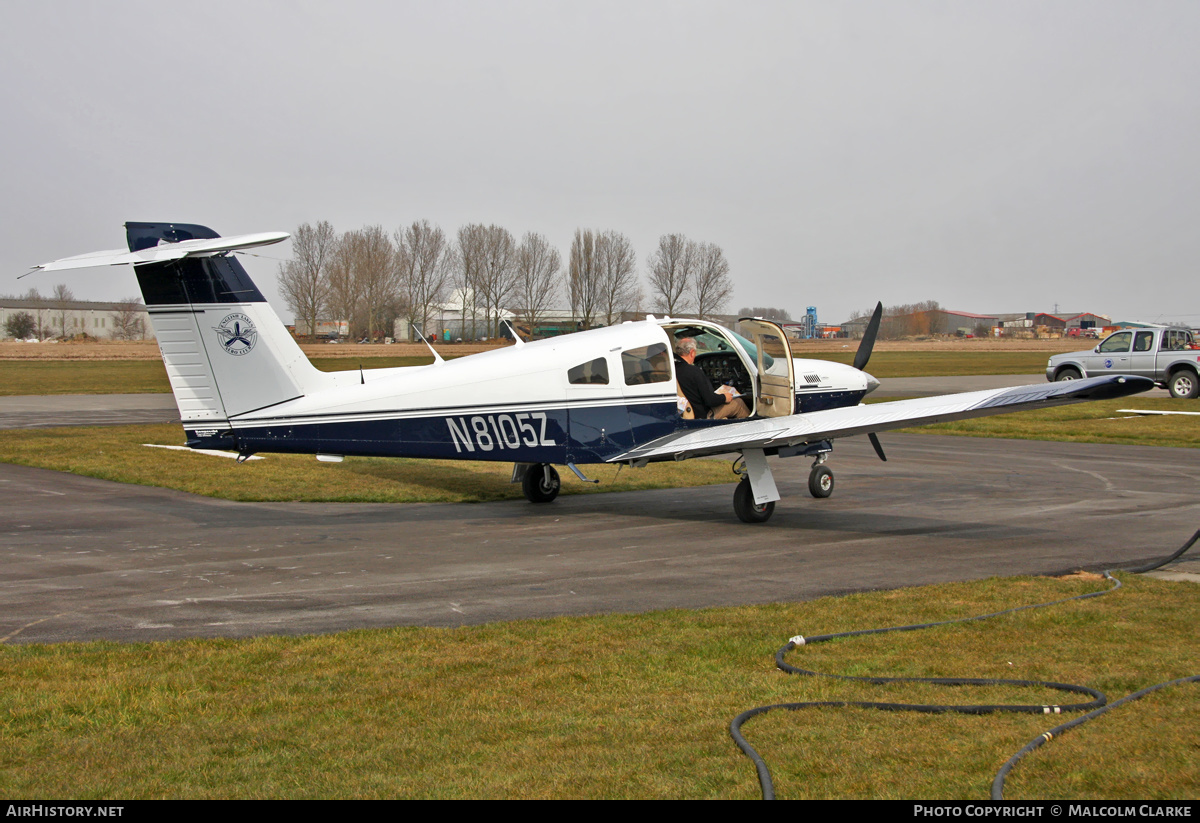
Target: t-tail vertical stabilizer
x,y
225,349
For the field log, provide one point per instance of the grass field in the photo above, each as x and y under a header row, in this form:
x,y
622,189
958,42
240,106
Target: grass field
x,y
117,453
617,706
18,377
21,377
1098,422
610,706
944,363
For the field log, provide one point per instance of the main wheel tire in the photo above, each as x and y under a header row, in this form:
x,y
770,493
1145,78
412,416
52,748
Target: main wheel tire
x,y
1068,374
745,507
536,487
820,481
1184,384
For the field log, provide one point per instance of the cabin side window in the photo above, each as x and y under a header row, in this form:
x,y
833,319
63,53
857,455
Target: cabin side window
x,y
593,372
1118,342
647,364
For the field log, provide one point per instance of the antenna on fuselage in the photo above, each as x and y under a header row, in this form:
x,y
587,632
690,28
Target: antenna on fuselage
x,y
437,358
517,341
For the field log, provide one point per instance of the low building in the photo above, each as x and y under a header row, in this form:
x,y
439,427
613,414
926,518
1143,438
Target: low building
x,y
71,318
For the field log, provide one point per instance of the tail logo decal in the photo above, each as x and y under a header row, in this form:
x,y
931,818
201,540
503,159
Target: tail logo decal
x,y
237,334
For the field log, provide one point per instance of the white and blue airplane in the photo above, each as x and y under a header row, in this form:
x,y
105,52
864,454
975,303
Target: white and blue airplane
x,y
607,395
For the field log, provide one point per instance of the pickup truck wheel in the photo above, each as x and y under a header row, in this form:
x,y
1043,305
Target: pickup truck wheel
x,y
1184,384
1069,374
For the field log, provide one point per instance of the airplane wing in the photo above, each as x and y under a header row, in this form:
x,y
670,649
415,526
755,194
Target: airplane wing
x,y
164,251
833,423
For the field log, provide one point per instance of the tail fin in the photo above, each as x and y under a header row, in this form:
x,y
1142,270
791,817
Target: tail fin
x,y
225,349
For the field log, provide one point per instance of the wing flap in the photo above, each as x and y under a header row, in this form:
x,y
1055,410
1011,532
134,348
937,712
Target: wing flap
x,y
898,414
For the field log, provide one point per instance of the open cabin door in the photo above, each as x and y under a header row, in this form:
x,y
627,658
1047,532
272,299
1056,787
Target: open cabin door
x,y
776,383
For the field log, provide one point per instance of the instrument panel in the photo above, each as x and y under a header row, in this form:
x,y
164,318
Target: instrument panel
x,y
725,367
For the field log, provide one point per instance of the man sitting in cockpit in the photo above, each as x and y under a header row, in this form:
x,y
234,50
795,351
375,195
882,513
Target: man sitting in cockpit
x,y
698,389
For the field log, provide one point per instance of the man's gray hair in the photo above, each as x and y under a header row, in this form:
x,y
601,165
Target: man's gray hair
x,y
684,346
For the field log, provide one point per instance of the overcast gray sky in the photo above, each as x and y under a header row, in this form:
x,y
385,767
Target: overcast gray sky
x,y
994,156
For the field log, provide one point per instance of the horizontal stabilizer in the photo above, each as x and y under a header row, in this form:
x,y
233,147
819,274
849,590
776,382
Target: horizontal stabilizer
x,y
165,251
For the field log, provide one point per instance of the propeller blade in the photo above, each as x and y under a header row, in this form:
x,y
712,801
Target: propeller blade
x,y
878,447
868,340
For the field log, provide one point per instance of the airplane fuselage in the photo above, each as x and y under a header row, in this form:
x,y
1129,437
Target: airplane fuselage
x,y
525,404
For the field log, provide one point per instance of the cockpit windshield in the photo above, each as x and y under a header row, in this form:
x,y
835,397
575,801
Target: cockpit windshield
x,y
752,350
708,341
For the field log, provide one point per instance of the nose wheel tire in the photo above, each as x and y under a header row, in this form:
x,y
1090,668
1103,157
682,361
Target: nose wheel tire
x,y
820,481
541,483
746,509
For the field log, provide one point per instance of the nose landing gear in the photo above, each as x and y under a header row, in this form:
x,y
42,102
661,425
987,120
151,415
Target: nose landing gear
x,y
820,479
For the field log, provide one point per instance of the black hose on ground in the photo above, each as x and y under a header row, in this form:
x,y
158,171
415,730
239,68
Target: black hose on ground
x,y
1095,707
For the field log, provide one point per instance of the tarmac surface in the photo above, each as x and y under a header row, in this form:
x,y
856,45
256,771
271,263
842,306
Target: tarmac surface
x,y
87,559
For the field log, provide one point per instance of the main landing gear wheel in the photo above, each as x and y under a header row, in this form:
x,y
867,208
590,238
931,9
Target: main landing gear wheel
x,y
746,509
820,481
541,483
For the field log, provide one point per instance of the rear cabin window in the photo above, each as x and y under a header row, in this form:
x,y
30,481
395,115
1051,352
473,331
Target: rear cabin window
x,y
648,364
1175,340
593,372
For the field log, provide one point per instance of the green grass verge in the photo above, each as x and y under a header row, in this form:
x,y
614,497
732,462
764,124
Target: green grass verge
x,y
617,706
117,453
25,377
942,363
1098,422
21,377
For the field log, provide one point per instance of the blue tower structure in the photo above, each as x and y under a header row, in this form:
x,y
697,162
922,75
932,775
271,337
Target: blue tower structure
x,y
812,327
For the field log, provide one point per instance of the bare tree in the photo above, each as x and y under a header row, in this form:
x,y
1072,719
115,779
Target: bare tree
x,y
128,323
304,280
671,270
61,298
426,261
710,285
538,268
616,266
905,319
470,254
342,297
766,312
497,275
584,278
375,277
39,312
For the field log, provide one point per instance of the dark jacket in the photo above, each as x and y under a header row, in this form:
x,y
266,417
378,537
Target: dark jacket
x,y
697,388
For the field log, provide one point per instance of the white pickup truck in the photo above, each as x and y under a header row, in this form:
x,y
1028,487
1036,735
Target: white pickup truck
x,y
1169,357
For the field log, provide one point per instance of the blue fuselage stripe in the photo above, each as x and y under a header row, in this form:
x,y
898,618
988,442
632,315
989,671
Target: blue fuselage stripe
x,y
555,433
